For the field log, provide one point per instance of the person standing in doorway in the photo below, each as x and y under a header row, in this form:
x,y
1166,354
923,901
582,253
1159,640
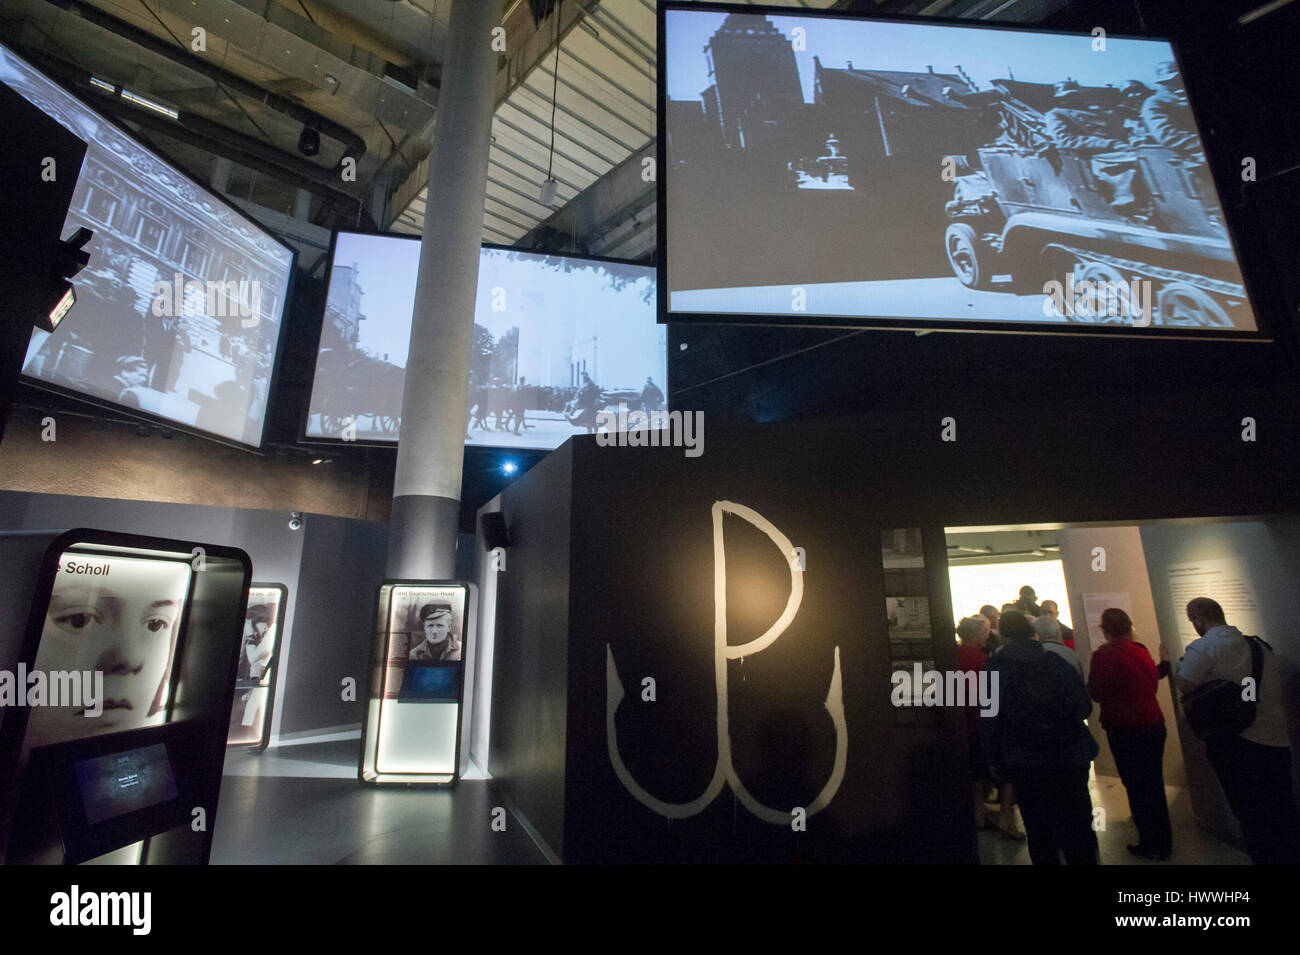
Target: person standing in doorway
x,y
991,614
1124,680
1048,632
1028,602
972,655
1039,742
1254,766
1050,609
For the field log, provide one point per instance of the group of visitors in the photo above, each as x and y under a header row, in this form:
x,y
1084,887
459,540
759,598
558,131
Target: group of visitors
x,y
1038,749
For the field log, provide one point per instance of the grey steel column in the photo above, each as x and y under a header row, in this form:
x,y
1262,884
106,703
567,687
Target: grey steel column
x,y
430,452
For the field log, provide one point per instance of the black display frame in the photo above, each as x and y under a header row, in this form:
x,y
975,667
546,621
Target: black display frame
x,y
1256,291
379,659
289,288
211,691
260,745
305,420
84,840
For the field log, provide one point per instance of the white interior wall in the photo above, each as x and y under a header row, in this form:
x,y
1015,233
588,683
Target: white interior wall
x,y
1125,571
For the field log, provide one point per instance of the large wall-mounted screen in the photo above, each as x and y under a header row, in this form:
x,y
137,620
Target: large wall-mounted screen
x,y
557,340
838,170
178,314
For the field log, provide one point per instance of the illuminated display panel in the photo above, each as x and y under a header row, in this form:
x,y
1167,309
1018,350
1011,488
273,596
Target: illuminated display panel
x,y
255,675
419,709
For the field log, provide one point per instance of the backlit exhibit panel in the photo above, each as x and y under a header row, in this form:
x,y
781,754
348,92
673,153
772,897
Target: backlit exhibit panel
x,y
557,339
179,312
419,710
257,653
112,626
862,169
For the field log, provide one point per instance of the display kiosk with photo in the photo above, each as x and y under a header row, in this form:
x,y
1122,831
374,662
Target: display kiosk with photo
x,y
413,725
121,655
259,659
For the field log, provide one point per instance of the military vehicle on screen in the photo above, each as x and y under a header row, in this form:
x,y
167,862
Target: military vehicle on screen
x,y
1024,207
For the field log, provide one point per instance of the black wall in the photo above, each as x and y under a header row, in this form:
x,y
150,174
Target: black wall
x,y
530,660
640,578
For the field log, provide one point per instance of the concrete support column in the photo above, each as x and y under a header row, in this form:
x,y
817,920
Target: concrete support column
x,y
435,400
302,205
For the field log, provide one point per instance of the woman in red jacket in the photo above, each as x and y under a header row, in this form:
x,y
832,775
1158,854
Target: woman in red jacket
x,y
1123,679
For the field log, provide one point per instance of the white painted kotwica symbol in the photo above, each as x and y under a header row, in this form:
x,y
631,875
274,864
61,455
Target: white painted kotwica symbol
x,y
724,772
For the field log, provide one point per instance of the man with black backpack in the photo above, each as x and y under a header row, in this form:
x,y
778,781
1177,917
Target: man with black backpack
x,y
1233,699
1038,741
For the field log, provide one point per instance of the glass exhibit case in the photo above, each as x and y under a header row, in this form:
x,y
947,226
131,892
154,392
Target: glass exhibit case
x,y
413,716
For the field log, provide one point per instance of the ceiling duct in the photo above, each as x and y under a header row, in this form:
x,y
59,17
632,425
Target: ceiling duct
x,y
353,145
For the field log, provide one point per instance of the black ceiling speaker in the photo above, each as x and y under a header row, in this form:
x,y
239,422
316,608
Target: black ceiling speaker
x,y
309,141
495,532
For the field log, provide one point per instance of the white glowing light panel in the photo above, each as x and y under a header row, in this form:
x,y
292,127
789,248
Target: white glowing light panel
x,y
413,719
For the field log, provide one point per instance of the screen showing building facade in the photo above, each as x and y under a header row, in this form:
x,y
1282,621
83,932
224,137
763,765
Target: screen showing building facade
x,y
839,168
557,340
178,313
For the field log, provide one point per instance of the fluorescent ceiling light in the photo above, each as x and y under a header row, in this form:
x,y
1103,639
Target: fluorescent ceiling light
x,y
1263,11
149,104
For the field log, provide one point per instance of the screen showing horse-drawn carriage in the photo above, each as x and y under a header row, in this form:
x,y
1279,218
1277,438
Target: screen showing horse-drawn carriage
x,y
846,169
557,341
178,312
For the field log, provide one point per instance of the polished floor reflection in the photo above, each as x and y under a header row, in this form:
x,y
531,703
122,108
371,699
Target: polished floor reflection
x,y
1192,845
303,804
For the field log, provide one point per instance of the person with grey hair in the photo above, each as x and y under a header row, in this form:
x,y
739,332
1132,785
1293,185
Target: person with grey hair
x,y
1047,631
972,655
1050,609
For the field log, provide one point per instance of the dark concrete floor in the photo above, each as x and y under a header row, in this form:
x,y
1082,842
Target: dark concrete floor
x,y
303,804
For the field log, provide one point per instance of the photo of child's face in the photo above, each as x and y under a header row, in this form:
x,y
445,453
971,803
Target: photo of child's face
x,y
118,616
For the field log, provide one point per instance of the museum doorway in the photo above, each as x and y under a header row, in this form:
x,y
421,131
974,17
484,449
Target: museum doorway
x,y
1150,569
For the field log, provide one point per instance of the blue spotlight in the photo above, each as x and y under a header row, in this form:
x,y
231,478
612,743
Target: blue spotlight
x,y
509,467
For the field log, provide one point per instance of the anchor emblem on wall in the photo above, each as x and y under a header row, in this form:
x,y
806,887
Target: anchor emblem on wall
x,y
724,772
